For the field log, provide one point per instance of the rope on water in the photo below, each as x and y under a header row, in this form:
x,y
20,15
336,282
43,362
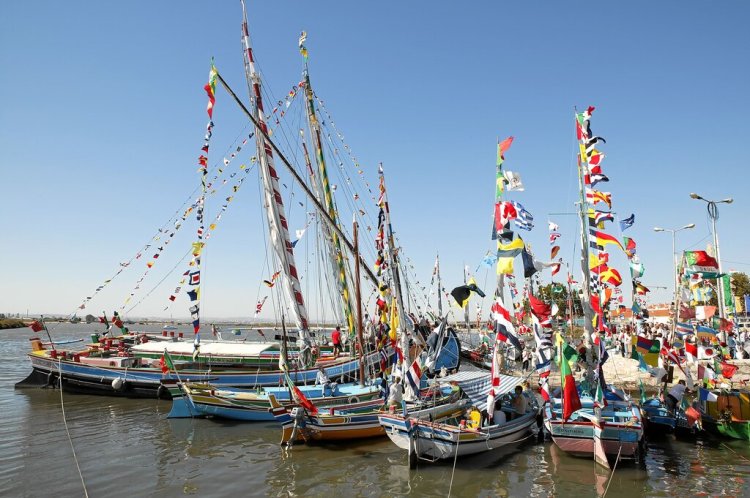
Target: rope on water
x,y
455,459
738,454
613,472
70,439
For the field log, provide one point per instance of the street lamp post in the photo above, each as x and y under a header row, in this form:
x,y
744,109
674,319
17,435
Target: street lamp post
x,y
673,231
713,213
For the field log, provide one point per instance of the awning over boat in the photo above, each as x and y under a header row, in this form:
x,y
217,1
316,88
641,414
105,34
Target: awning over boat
x,y
477,385
228,348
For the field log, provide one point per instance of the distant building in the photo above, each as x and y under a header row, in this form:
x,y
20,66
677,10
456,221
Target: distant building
x,y
660,313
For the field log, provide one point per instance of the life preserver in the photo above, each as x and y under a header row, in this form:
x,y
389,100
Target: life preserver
x,y
353,399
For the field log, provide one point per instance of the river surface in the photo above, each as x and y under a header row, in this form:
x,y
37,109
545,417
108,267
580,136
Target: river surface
x,y
128,448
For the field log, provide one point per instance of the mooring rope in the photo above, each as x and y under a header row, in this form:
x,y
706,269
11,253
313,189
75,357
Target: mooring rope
x,y
613,472
70,439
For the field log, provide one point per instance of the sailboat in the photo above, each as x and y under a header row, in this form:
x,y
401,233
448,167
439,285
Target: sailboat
x,y
590,418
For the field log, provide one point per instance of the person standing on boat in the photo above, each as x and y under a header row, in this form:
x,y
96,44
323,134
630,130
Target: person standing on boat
x,y
674,397
396,392
526,356
336,340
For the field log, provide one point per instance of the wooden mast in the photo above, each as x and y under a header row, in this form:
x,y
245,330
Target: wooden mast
x,y
358,294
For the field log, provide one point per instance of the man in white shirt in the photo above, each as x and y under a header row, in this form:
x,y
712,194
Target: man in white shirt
x,y
396,393
674,397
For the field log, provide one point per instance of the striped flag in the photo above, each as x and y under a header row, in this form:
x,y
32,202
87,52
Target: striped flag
x,y
503,326
414,375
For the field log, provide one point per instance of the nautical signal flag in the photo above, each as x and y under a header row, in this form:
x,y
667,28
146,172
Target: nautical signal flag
x,y
627,222
461,293
503,326
195,278
414,375
595,196
598,217
36,326
611,276
602,239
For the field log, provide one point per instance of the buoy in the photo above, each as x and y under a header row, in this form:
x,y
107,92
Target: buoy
x,y
118,384
353,399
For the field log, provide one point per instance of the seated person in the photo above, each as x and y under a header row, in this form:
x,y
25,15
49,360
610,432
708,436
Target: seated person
x,y
519,404
498,416
474,418
322,380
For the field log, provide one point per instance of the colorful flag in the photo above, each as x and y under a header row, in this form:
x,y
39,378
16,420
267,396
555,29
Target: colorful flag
x,y
414,375
513,180
503,326
602,239
195,278
553,227
701,259
643,344
627,222
598,178
728,370
706,333
706,395
502,148
166,363
595,196
554,251
611,276
598,217
194,294
571,402
639,288
461,293
636,269
629,247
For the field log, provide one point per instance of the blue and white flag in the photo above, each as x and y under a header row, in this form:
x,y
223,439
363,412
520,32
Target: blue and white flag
x,y
627,222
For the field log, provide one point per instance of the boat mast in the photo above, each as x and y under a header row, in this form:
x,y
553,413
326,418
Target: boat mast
x,y
330,204
392,256
588,314
439,287
358,294
277,223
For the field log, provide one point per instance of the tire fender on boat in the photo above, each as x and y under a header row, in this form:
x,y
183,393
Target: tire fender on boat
x,y
353,399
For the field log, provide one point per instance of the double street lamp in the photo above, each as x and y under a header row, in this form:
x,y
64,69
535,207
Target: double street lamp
x,y
713,213
673,231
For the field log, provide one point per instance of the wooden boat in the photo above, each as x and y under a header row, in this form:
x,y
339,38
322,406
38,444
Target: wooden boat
x,y
206,400
620,422
728,415
134,377
361,420
658,419
447,437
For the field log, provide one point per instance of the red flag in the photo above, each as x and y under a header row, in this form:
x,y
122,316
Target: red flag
x,y
540,309
303,401
36,326
692,415
727,369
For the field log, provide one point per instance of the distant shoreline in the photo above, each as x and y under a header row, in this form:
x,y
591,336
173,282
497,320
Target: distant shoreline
x,y
12,323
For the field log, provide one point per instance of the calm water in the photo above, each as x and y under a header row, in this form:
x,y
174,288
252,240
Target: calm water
x,y
128,448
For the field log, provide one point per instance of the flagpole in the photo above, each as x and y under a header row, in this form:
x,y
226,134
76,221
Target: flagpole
x,y
47,330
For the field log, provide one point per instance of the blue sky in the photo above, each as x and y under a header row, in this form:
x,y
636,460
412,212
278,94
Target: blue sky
x,y
103,118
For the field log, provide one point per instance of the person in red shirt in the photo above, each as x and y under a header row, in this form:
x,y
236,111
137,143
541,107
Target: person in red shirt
x,y
336,340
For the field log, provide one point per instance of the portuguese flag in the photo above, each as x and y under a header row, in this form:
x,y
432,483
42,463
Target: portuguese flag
x,y
571,401
700,258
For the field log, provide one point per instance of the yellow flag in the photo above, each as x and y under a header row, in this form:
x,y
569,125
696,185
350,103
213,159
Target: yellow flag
x,y
394,320
504,266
